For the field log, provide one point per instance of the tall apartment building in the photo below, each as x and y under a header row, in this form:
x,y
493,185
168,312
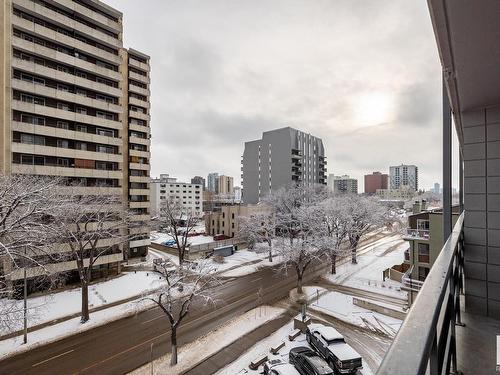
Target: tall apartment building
x,y
375,181
165,188
342,184
74,103
213,182
199,181
226,185
403,176
282,157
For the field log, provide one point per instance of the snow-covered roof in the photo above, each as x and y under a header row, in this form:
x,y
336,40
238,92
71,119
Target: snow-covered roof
x,y
285,369
343,351
329,333
320,364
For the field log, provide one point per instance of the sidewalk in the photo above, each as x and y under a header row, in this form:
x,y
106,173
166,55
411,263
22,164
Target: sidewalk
x,y
233,351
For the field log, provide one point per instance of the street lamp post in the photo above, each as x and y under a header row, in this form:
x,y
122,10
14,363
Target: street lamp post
x,y
25,309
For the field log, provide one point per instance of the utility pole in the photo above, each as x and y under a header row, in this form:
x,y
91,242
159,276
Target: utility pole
x,y
25,310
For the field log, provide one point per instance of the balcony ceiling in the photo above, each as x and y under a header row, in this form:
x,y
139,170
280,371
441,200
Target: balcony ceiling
x,y
468,38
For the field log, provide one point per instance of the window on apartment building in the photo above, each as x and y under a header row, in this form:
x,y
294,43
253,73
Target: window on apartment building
x,y
63,106
422,273
62,143
62,162
232,225
232,215
423,252
81,110
104,149
63,69
62,87
223,224
32,99
32,119
81,74
422,224
104,132
223,215
81,92
63,125
32,139
81,128
81,146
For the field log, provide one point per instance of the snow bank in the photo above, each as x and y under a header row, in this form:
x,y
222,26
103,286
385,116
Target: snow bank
x,y
68,302
191,354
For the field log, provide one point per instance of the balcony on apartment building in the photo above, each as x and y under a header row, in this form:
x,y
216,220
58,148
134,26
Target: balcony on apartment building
x,y
422,234
453,324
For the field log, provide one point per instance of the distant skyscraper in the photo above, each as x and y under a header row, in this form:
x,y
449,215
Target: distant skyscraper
x,y
437,188
282,157
342,184
403,176
225,185
375,181
198,180
213,182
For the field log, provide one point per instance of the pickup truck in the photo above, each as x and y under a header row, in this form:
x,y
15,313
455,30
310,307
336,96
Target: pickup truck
x,y
330,344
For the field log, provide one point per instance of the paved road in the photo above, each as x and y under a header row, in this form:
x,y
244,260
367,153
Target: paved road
x,y
125,344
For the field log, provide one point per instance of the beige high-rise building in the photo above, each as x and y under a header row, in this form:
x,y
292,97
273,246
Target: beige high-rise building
x,y
75,103
225,185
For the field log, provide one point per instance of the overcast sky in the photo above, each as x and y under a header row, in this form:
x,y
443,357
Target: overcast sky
x,y
362,75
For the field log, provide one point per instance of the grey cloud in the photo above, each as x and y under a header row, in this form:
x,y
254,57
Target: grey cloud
x,y
223,71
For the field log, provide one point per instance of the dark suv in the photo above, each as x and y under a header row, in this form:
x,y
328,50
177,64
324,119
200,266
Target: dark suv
x,y
330,344
307,362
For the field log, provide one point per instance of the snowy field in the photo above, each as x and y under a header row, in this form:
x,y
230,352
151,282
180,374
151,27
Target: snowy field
x,y
191,354
367,274
58,305
240,366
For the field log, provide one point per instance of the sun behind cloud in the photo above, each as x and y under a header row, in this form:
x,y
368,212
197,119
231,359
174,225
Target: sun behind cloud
x,y
373,108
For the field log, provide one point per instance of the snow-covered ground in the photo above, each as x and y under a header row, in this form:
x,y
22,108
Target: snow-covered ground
x,y
237,263
58,305
160,237
195,352
367,274
341,306
240,366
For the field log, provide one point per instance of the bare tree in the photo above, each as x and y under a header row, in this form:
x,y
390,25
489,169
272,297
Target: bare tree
x,y
334,217
90,227
177,294
181,221
259,227
300,241
26,206
366,213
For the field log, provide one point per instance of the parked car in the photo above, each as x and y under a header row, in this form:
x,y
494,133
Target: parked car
x,y
330,344
307,362
279,367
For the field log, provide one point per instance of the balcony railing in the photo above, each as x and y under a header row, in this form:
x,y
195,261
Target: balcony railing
x,y
426,343
417,233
